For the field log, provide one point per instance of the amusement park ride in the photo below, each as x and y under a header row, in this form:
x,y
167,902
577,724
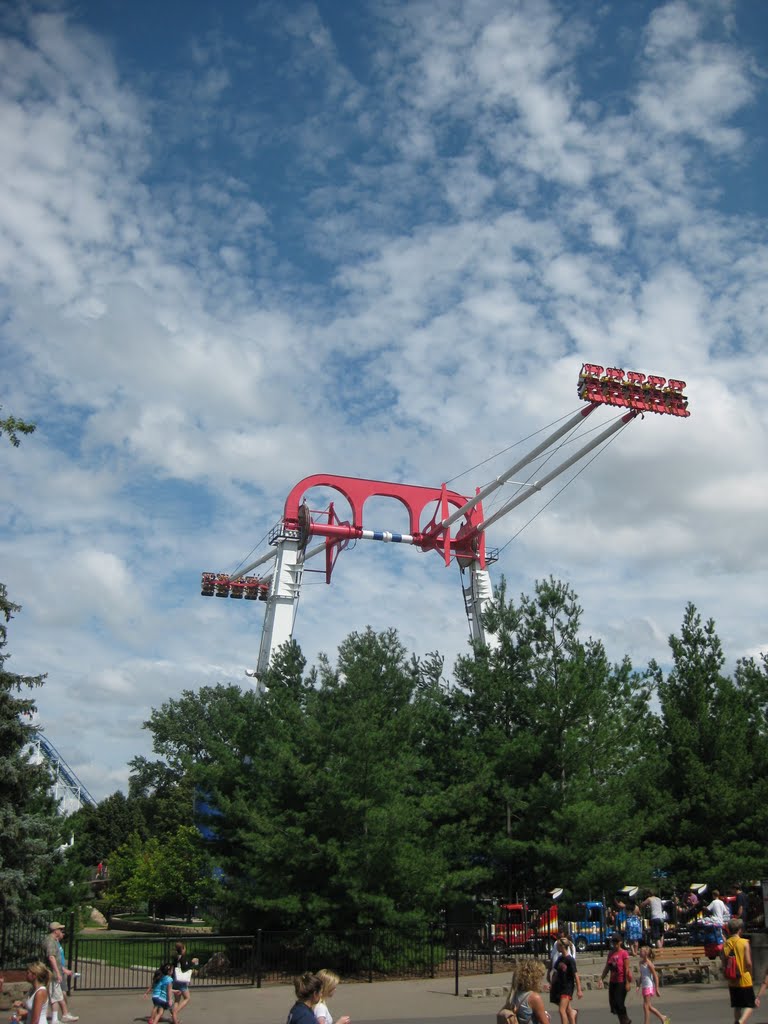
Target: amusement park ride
x,y
281,585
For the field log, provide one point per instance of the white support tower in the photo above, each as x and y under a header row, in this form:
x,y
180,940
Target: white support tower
x,y
283,598
478,594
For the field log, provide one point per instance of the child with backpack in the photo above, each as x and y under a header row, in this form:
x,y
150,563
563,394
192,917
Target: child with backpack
x,y
736,958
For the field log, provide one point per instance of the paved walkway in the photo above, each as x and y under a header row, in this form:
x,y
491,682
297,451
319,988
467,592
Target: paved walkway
x,y
402,1001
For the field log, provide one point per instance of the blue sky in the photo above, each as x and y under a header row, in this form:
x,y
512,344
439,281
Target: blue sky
x,y
241,244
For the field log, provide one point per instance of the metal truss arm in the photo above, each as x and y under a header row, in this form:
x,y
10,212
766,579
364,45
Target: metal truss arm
x,y
531,489
501,480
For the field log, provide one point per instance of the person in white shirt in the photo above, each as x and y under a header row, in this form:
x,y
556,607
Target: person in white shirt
x,y
330,983
718,911
656,910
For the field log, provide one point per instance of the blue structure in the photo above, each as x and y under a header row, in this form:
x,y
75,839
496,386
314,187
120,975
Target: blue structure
x,y
68,790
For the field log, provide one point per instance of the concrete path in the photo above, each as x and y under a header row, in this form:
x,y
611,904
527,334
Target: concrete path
x,y
402,1001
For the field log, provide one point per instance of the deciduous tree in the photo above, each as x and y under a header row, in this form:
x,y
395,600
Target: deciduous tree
x,y
12,427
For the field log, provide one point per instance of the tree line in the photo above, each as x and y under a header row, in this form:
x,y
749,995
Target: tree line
x,y
374,790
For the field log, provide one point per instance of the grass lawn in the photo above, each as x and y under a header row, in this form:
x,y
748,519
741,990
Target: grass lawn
x,y
128,949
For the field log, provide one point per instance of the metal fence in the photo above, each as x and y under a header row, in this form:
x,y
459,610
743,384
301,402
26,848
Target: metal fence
x,y
273,957
21,939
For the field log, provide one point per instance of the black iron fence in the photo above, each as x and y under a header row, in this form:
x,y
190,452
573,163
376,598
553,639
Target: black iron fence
x,y
112,961
104,962
21,939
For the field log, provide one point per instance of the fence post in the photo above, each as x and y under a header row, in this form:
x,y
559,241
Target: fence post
x,y
370,955
256,977
74,960
489,928
456,959
431,949
70,941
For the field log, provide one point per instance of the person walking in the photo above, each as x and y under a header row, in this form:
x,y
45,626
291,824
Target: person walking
x,y
308,988
161,990
618,967
33,1010
565,978
330,984
55,961
524,1003
736,956
563,935
763,987
182,975
648,984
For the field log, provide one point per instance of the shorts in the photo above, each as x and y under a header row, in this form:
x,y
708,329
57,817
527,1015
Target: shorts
x,y
617,994
160,1002
181,986
657,928
649,991
55,992
555,997
742,996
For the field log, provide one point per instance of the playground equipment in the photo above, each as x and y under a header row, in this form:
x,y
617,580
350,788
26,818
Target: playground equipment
x,y
280,587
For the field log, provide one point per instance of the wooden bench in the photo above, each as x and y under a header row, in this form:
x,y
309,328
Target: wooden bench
x,y
683,963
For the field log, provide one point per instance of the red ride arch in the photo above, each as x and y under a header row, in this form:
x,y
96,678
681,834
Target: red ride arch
x,y
468,543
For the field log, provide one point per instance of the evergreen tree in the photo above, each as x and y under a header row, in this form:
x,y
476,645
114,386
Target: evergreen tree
x,y
708,736
556,730
380,859
327,804
448,793
27,811
740,855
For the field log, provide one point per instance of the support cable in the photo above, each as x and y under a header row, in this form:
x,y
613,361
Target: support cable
x,y
255,547
560,491
509,448
546,456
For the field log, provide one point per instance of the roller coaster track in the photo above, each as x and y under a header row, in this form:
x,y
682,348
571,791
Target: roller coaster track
x,y
67,788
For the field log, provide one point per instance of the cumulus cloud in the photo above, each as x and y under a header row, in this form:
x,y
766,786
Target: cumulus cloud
x,y
693,86
383,249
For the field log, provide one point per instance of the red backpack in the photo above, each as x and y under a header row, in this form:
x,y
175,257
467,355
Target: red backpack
x,y
732,972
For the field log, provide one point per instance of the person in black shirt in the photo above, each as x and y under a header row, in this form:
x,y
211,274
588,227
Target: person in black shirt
x,y
565,978
740,905
309,990
182,973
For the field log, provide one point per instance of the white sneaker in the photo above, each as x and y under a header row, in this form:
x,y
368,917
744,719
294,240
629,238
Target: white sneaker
x,y
69,1018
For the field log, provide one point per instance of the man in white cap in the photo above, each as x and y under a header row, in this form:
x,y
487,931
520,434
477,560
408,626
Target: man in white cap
x,y
53,953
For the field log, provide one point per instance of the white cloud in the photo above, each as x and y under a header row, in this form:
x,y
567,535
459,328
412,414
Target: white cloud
x,y
392,266
692,86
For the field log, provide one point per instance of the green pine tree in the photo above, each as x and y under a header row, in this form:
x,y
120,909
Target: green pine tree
x,y
28,827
